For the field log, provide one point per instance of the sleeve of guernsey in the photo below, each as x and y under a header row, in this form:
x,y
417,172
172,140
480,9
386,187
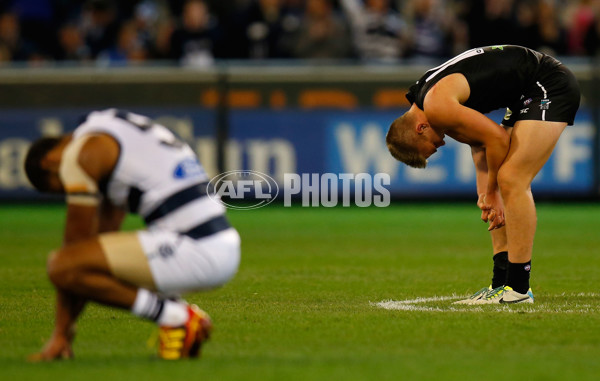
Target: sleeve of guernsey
x,y
80,188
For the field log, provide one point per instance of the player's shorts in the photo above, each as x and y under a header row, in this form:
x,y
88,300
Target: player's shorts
x,y
170,262
553,97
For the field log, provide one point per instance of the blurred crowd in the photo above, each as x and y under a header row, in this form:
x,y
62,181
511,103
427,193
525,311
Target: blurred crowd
x,y
198,32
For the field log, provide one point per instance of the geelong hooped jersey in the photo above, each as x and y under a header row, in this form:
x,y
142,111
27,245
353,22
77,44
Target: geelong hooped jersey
x,y
157,176
497,75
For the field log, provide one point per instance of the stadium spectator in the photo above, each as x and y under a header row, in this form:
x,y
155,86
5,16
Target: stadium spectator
x,y
553,36
490,21
322,34
580,20
377,31
71,43
258,30
591,40
527,29
263,29
128,49
146,16
10,37
100,25
196,40
37,27
430,37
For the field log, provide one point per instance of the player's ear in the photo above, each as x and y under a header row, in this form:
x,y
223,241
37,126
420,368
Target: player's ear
x,y
51,159
421,127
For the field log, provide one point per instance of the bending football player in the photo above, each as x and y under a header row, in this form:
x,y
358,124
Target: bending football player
x,y
542,97
117,162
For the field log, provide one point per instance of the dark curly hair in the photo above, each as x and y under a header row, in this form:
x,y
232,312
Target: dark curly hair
x,y
38,176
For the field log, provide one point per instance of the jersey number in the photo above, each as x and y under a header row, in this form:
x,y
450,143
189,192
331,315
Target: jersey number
x,y
145,124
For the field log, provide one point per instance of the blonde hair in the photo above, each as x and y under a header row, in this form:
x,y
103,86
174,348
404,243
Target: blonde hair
x,y
401,143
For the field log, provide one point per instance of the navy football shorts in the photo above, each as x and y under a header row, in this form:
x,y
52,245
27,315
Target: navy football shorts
x,y
553,97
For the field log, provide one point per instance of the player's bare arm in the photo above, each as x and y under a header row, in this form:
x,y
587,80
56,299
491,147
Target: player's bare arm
x,y
444,110
87,216
478,154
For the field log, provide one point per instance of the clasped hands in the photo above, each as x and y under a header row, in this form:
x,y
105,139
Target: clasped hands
x,y
492,209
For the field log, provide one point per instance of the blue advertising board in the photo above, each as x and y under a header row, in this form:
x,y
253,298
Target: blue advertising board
x,y
18,128
309,141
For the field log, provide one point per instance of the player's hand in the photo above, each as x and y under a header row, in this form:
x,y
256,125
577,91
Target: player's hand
x,y
481,205
58,347
492,203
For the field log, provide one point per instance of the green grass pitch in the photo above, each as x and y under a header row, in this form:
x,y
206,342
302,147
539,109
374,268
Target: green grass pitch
x,y
304,303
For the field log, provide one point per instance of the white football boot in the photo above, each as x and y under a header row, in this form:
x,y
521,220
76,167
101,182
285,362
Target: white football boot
x,y
505,295
476,296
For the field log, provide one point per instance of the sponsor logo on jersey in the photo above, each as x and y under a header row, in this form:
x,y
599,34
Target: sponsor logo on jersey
x,y
527,101
188,168
524,110
545,104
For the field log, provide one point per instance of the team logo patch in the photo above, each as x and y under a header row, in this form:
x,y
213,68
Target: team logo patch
x,y
545,104
527,267
527,101
166,250
188,168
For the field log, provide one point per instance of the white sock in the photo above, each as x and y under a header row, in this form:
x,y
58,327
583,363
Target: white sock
x,y
147,305
165,312
173,314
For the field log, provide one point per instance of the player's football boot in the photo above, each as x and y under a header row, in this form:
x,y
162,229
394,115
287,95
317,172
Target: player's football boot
x,y
476,296
506,295
185,341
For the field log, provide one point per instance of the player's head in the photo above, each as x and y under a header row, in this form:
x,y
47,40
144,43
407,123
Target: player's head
x,y
411,139
42,162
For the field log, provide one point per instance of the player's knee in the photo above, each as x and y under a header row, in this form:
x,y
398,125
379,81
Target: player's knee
x,y
510,181
60,271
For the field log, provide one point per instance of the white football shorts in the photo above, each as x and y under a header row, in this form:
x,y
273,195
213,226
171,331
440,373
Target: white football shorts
x,y
179,263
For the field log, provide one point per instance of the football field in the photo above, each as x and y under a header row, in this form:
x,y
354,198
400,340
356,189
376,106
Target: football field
x,y
333,294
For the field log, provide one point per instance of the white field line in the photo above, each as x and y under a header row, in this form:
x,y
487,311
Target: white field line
x,y
420,304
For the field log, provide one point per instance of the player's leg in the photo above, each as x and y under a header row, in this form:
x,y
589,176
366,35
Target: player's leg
x,y
500,258
182,263
532,143
498,236
499,239
82,269
79,273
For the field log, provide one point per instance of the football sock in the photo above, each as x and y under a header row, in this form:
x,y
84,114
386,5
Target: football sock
x,y
164,312
147,305
173,314
518,276
500,269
